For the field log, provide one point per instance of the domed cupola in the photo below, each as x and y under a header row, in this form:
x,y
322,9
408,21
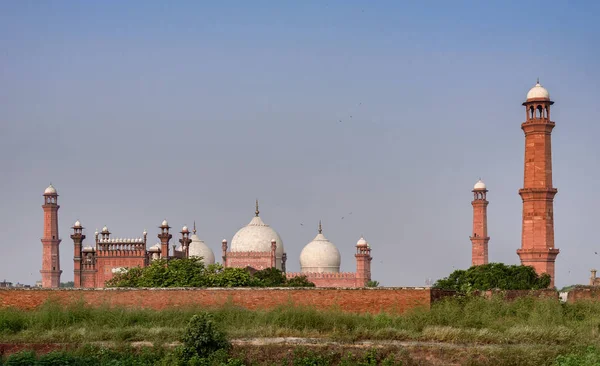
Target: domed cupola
x,y
257,237
320,255
199,249
538,92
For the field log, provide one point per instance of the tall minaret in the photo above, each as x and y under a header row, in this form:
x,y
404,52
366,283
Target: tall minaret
x,y
480,238
50,241
537,240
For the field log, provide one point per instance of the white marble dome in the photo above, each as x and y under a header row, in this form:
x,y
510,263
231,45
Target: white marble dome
x,y
479,185
77,224
50,190
256,237
199,249
538,92
320,255
362,242
165,223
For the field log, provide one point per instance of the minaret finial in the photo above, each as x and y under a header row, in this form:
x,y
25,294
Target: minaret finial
x,y
256,212
194,231
320,228
538,80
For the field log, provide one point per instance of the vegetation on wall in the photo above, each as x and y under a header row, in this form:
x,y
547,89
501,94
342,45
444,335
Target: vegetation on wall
x,y
191,272
494,276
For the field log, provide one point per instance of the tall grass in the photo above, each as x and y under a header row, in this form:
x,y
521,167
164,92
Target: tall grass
x,y
472,320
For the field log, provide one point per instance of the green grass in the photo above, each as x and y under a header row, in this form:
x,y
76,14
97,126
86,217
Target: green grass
x,y
469,320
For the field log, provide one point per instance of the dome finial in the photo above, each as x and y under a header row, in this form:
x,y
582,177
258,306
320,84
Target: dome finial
x,y
256,212
538,80
320,228
194,231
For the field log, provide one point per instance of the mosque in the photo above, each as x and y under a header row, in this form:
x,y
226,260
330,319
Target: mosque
x,y
256,246
259,246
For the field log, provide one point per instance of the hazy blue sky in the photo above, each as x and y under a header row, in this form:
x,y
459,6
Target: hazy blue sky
x,y
143,110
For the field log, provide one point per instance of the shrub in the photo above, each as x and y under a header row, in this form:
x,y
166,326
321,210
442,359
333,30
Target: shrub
x,y
494,276
202,338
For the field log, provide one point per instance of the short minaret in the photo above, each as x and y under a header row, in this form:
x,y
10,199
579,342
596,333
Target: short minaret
x,y
363,262
537,238
224,249
50,241
164,237
185,240
78,238
480,238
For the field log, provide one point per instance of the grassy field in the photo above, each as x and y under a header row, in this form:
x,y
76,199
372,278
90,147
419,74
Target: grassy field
x,y
525,328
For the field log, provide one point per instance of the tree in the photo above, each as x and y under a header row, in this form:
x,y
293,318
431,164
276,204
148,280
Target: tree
x,y
494,276
299,281
67,284
371,283
191,272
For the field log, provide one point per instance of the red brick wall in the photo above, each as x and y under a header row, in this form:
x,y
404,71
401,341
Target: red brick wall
x,y
583,293
371,300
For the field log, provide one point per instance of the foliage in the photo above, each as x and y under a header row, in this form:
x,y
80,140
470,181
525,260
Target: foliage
x,y
494,276
67,284
299,281
589,357
371,283
271,277
202,337
191,272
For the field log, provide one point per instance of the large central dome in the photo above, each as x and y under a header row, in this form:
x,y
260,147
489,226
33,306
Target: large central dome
x,y
256,237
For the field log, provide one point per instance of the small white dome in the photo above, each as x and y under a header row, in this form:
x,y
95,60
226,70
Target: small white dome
x,y
145,233
320,255
154,248
165,223
538,92
96,233
88,249
104,229
479,185
77,224
199,249
362,242
185,229
256,237
50,190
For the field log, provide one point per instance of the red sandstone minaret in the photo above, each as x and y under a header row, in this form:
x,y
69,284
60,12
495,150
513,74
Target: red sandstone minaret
x,y
480,238
537,241
78,238
50,241
164,237
363,261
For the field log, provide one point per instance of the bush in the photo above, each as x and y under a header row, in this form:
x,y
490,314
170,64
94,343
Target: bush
x,y
494,276
191,272
202,338
589,357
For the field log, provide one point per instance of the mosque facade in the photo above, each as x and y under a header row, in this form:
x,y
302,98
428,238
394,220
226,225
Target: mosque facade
x,y
255,246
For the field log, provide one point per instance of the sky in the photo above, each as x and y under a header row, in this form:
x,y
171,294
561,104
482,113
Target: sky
x,y
375,117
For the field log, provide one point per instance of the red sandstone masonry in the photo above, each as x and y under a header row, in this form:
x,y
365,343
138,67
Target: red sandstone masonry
x,y
360,300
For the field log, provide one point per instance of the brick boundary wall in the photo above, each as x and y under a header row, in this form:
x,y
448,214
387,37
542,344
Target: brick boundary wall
x,y
585,293
359,300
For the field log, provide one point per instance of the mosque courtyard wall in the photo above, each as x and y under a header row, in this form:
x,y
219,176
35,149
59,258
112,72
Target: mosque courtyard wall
x,y
357,300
